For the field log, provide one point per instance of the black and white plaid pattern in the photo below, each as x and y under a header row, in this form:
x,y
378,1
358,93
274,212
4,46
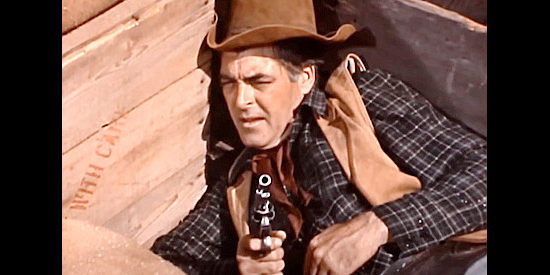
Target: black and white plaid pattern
x,y
448,159
205,241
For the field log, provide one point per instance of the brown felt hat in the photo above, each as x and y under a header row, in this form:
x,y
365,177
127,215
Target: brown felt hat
x,y
255,22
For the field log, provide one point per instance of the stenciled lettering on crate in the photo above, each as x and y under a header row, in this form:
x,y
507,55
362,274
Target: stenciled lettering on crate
x,y
92,176
134,104
141,166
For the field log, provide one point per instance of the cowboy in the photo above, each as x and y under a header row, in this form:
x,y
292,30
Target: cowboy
x,y
358,168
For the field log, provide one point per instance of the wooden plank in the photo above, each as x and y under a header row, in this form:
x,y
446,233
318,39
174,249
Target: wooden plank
x,y
76,12
175,212
102,23
439,52
95,88
121,164
143,27
163,207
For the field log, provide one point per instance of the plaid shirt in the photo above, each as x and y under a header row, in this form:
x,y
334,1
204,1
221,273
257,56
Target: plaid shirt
x,y
450,161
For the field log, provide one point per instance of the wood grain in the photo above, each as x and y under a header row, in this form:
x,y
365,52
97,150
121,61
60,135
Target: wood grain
x,y
127,66
102,23
76,12
158,155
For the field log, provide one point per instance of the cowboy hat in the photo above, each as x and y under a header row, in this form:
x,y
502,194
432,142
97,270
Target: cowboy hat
x,y
255,22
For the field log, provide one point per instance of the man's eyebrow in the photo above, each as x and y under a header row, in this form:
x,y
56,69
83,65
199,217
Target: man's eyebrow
x,y
258,76
252,78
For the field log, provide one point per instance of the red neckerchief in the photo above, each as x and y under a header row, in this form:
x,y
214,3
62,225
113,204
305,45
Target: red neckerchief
x,y
277,163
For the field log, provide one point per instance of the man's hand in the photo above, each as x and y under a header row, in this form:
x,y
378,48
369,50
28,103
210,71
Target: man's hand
x,y
251,261
343,248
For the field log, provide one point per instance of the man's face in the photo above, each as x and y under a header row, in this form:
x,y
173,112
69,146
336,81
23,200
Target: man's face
x,y
259,95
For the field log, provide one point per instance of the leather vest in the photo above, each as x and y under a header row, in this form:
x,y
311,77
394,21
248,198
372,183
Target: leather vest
x,y
350,134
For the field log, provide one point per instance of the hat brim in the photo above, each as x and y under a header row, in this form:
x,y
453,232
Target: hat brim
x,y
272,33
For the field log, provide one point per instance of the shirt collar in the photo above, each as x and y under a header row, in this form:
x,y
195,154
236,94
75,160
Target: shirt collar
x,y
314,100
317,101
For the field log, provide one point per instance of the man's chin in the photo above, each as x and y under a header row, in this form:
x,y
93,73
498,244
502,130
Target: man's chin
x,y
260,144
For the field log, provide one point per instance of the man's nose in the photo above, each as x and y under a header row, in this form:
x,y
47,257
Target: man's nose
x,y
245,95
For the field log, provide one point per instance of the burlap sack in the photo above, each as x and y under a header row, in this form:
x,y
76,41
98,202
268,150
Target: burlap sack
x,y
91,249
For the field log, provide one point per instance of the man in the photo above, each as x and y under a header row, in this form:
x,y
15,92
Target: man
x,y
345,200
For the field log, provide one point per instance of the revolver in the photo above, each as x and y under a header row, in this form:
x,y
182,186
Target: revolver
x,y
263,213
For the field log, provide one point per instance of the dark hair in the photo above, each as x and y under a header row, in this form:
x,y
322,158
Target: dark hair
x,y
223,142
297,53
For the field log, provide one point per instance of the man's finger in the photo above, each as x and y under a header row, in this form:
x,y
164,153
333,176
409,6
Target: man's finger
x,y
315,262
277,239
310,264
322,271
279,234
271,266
307,260
255,267
312,270
315,258
274,255
255,244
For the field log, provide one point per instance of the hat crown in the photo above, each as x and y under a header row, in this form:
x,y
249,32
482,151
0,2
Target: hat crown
x,y
257,22
250,14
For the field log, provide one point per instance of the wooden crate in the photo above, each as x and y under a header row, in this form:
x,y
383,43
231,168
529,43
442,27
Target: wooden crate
x,y
134,97
134,101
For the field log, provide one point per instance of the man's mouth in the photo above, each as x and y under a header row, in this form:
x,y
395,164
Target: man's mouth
x,y
249,122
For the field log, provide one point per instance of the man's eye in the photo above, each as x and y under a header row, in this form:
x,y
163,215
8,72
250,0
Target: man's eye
x,y
262,83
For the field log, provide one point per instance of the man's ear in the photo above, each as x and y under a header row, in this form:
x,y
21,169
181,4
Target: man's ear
x,y
307,79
